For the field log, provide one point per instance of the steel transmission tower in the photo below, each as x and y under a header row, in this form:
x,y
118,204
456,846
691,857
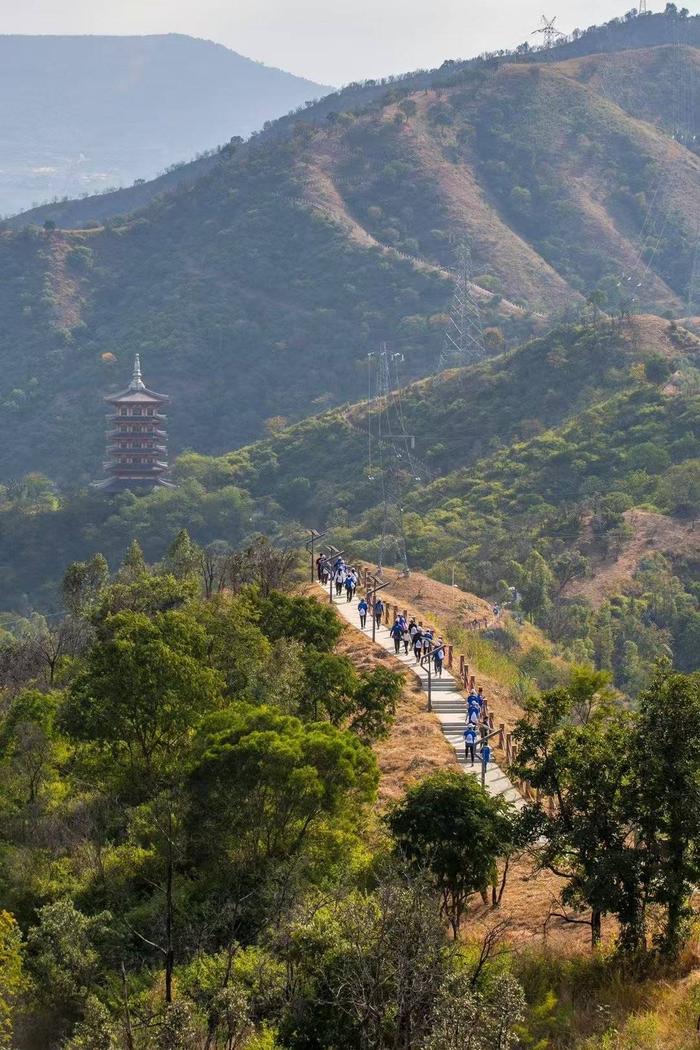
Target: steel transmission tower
x,y
463,343
548,31
391,461
643,9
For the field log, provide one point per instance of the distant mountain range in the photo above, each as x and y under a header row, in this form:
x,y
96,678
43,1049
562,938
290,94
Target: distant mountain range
x,y
80,114
255,292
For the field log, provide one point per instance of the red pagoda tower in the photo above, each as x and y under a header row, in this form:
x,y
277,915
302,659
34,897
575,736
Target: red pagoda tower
x,y
136,449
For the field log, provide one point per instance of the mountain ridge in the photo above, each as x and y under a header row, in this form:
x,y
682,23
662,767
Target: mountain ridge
x,y
112,109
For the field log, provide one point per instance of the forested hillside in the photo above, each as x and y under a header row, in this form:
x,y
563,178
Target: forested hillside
x,y
93,112
531,466
271,278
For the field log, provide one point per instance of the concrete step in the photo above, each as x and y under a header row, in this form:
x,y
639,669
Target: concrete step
x,y
448,705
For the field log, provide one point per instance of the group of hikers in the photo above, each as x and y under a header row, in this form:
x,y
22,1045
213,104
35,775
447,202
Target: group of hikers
x,y
417,639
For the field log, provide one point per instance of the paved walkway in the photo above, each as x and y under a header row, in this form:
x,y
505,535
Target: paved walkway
x,y
448,703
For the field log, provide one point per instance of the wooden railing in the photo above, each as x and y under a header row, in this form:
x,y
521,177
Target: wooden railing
x,y
457,664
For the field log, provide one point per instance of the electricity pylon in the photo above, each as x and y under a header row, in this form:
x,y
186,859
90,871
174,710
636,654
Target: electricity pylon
x,y
391,461
463,343
548,31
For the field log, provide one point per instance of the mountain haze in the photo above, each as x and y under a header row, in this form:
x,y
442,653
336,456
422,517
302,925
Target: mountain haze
x,y
88,113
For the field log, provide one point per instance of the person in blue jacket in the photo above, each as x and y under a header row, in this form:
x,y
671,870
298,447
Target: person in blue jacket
x,y
362,608
470,744
396,633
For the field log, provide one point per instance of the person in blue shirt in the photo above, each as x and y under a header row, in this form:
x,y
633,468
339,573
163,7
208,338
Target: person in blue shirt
x,y
396,633
362,608
349,586
439,657
485,754
378,611
470,744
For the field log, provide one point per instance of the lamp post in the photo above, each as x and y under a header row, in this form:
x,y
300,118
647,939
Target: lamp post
x,y
377,587
310,544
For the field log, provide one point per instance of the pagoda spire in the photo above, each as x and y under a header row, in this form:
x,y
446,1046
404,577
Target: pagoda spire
x,y
137,382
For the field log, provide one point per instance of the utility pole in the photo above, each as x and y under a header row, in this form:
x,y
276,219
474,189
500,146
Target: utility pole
x,y
392,449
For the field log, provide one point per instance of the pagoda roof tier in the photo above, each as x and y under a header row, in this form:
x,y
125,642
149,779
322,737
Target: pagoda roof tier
x,y
127,468
158,416
136,397
121,449
131,434
137,392
120,484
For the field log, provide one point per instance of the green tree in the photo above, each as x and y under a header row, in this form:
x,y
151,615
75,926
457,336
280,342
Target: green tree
x,y
65,960
134,564
448,825
574,748
465,1018
264,782
330,683
11,974
287,616
536,584
183,557
374,704
83,583
666,762
144,689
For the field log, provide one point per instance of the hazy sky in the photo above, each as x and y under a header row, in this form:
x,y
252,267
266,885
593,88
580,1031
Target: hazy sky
x,y
331,41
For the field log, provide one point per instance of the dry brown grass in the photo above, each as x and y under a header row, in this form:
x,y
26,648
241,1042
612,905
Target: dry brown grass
x,y
652,533
415,745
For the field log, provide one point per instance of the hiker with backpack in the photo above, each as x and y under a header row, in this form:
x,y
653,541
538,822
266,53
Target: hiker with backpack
x,y
363,608
470,744
439,657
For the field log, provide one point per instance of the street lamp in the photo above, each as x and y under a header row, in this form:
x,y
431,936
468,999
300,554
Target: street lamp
x,y
377,587
310,543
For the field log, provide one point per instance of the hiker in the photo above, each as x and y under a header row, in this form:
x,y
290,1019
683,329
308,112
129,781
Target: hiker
x,y
325,572
406,638
378,611
396,633
485,754
482,699
349,586
319,567
418,643
362,608
470,744
439,657
339,579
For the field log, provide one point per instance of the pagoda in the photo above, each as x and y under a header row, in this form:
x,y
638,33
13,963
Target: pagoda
x,y
136,449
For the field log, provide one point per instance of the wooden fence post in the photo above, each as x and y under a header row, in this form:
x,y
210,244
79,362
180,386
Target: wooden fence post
x,y
502,735
450,656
